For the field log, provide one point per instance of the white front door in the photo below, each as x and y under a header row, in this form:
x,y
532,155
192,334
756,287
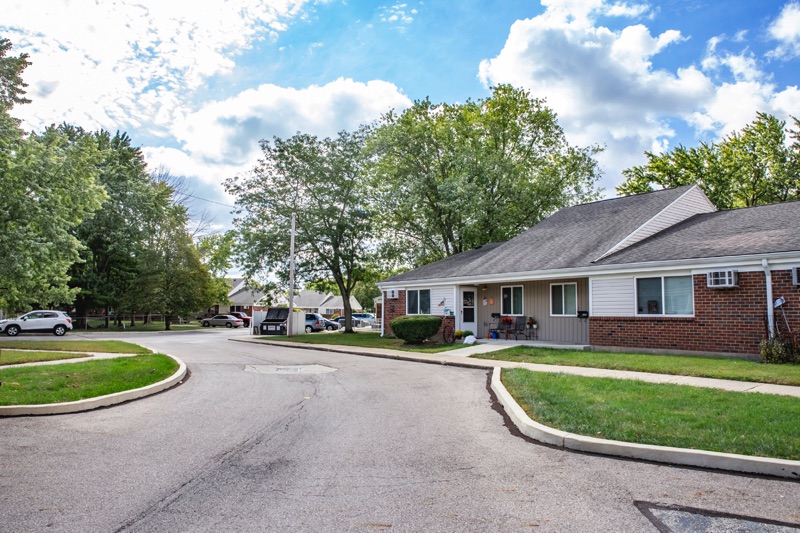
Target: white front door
x,y
468,311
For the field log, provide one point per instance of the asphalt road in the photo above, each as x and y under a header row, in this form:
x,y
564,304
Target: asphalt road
x,y
354,444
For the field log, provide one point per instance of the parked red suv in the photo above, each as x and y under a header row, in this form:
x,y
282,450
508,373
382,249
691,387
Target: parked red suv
x,y
243,316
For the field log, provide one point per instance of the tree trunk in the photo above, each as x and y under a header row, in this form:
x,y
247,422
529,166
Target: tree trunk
x,y
167,321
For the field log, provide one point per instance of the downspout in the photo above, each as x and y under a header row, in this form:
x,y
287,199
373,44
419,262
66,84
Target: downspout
x,y
383,312
770,309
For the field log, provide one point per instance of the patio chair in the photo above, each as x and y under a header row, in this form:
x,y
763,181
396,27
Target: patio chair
x,y
520,328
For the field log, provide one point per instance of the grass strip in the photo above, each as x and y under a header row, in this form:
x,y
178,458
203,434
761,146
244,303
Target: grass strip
x,y
78,381
365,340
15,357
76,346
762,425
707,367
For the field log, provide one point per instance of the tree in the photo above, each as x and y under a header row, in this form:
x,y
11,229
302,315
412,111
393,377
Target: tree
x,y
448,178
321,182
216,253
49,186
174,281
747,168
114,238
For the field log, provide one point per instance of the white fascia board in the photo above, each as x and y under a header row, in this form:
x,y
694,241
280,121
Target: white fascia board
x,y
776,259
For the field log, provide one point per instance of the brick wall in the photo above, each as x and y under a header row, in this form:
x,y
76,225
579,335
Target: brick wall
x,y
393,308
726,320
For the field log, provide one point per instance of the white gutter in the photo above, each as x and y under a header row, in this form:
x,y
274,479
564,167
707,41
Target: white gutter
x,y
383,313
770,309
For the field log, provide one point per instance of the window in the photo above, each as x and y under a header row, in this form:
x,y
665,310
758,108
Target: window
x,y
418,302
512,301
564,299
669,295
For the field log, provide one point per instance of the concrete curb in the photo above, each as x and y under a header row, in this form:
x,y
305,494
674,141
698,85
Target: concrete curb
x,y
661,454
99,401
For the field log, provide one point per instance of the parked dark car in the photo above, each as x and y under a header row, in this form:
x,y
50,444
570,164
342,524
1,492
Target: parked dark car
x,y
243,316
330,325
314,322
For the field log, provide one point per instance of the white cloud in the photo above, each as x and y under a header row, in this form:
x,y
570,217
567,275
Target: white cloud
x,y
119,64
605,89
398,15
786,30
228,131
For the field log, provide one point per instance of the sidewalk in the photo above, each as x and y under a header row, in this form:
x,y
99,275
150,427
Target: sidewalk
x,y
461,357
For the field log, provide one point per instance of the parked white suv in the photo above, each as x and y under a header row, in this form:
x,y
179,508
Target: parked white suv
x,y
55,322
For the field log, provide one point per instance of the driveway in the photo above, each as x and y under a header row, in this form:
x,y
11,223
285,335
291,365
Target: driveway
x,y
271,439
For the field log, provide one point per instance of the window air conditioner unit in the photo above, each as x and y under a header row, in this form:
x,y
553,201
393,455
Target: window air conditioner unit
x,y
391,294
795,275
721,279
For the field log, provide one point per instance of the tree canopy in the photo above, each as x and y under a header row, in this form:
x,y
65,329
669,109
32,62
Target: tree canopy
x,y
322,182
447,178
750,167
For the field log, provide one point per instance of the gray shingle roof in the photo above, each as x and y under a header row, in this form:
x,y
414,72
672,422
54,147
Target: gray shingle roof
x,y
571,237
576,236
751,230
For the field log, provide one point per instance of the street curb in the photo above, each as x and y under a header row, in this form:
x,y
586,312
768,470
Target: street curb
x,y
662,454
100,401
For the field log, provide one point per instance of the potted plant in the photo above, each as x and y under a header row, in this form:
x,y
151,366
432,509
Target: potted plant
x,y
459,334
531,323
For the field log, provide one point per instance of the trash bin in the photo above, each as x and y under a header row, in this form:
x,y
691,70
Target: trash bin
x,y
275,321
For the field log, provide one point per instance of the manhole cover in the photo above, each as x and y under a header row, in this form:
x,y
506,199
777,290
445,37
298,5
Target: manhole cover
x,y
289,369
670,519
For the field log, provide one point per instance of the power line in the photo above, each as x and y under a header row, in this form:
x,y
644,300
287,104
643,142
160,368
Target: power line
x,y
210,201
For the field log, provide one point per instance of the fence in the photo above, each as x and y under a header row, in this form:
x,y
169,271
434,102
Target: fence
x,y
121,322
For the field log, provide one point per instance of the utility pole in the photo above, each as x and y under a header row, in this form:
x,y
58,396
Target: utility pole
x,y
290,322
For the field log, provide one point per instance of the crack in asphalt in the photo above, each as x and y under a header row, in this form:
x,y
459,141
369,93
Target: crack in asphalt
x,y
224,461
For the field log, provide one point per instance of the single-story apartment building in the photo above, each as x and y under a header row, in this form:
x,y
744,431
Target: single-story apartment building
x,y
662,270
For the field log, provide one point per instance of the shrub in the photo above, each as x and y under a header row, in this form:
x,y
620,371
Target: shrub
x,y
459,334
414,329
782,349
466,333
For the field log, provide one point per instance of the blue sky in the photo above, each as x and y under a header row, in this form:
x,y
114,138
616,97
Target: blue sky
x,y
197,85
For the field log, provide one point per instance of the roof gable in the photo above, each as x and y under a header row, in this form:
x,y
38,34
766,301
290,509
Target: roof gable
x,y
690,203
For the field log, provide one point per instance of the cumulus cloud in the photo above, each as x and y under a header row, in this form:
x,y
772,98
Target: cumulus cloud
x,y
605,89
120,64
228,131
786,30
398,15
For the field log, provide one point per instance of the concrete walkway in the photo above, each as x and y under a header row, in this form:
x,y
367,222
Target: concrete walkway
x,y
85,356
461,357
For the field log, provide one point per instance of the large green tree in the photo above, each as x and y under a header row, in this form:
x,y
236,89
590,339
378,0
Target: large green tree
x,y
321,182
753,166
49,186
447,178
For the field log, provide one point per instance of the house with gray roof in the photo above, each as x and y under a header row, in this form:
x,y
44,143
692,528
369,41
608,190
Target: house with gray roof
x,y
657,271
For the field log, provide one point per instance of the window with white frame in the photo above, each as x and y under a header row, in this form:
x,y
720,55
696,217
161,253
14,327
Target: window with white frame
x,y
418,302
512,301
665,295
564,299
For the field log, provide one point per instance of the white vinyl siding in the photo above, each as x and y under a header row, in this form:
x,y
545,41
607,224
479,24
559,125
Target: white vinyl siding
x,y
613,296
691,203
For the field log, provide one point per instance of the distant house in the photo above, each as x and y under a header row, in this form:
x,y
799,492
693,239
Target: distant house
x,y
241,297
661,271
317,302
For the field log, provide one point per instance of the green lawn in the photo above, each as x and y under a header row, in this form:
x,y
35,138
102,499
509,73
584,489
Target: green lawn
x,y
735,369
661,414
364,339
77,381
76,346
15,357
